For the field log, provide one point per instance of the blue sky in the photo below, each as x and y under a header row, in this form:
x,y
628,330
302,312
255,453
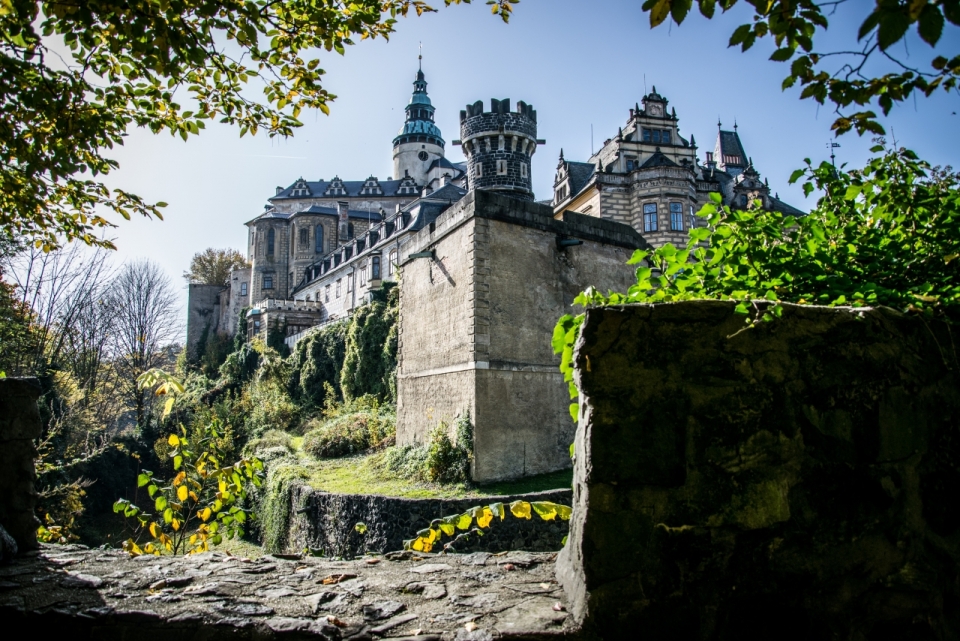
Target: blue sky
x,y
578,62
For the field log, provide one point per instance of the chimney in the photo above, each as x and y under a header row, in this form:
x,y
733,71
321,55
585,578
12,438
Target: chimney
x,y
711,163
342,214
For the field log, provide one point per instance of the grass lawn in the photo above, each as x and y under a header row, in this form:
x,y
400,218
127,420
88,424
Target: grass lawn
x,y
365,474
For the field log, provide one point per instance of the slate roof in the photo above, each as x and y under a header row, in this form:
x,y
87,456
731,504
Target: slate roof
x,y
580,174
728,143
784,208
323,211
352,187
448,192
443,163
658,159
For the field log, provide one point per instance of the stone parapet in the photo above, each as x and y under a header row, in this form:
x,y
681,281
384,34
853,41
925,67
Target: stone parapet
x,y
794,480
19,426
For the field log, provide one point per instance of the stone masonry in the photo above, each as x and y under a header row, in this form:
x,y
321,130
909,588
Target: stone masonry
x,y
19,426
476,320
793,481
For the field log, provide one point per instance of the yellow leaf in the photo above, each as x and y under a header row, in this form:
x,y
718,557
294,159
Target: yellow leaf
x,y
176,525
545,510
484,516
168,406
179,478
464,521
193,539
154,531
193,495
205,513
520,509
174,440
182,492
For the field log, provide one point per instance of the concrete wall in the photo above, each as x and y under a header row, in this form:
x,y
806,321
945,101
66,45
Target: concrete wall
x,y
797,480
19,426
203,313
476,323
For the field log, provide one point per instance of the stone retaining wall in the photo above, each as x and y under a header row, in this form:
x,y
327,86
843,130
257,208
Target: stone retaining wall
x,y
797,480
325,522
19,425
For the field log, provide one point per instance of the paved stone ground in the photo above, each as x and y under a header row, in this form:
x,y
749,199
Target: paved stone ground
x,y
106,594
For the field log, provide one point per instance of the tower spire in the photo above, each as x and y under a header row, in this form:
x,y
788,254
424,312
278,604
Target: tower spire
x,y
420,57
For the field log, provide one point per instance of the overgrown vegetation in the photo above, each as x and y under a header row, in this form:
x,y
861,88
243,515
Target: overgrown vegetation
x,y
352,427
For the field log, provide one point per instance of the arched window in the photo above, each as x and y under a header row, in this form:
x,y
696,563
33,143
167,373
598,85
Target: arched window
x,y
375,268
271,241
319,239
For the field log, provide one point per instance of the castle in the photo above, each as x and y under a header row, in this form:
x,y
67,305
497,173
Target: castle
x,y
487,270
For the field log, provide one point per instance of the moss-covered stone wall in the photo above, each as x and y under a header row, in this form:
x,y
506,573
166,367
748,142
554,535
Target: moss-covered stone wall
x,y
797,480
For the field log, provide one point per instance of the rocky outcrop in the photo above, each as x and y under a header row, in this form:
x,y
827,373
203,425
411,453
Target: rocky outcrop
x,y
797,480
19,426
77,593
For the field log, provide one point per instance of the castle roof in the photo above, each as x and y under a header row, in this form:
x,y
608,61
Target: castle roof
x,y
353,189
729,150
658,159
316,210
580,174
419,119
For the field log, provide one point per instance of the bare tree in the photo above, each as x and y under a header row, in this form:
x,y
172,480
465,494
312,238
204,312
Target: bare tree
x,y
61,289
145,324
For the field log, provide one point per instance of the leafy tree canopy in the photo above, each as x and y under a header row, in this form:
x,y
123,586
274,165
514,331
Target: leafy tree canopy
x,y
75,75
213,266
848,84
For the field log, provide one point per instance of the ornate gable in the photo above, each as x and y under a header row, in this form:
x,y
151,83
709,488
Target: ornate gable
x,y
301,188
335,188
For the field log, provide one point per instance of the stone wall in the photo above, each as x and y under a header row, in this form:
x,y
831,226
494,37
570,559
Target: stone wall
x,y
325,522
19,426
797,480
476,322
203,314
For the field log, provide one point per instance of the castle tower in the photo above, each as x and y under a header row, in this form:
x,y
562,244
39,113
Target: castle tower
x,y
499,145
419,143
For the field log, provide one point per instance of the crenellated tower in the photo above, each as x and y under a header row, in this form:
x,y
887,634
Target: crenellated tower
x,y
499,145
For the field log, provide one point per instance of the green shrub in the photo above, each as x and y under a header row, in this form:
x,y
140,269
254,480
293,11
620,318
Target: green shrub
x,y
441,460
270,439
407,461
449,462
273,504
353,427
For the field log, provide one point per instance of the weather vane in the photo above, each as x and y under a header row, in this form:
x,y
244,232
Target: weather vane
x,y
420,57
831,146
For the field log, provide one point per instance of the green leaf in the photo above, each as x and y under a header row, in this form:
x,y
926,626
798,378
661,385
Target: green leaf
x,y
931,24
143,479
177,461
160,504
782,55
360,528
893,25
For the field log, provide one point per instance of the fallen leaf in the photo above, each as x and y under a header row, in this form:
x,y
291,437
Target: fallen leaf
x,y
470,626
509,566
373,561
337,578
545,586
335,621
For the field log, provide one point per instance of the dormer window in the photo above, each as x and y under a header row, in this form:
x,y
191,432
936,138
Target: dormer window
x,y
336,188
300,188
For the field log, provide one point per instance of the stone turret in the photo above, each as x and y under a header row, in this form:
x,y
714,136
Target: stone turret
x,y
499,145
419,143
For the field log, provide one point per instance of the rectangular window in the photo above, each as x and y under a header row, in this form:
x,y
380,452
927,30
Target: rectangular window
x,y
391,263
268,281
326,294
665,138
243,289
338,287
647,136
650,217
501,167
523,169
478,169
304,236
363,274
631,164
676,216
349,282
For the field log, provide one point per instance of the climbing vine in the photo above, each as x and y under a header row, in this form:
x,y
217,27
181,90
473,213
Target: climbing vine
x,y
429,538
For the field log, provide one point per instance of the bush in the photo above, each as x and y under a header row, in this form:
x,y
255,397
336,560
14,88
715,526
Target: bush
x,y
449,462
354,427
441,460
270,439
